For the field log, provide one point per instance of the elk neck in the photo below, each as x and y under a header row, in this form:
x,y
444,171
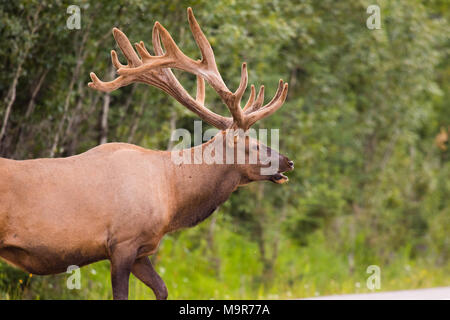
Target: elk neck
x,y
198,189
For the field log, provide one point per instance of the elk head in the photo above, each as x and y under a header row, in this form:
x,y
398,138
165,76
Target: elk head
x,y
254,160
155,70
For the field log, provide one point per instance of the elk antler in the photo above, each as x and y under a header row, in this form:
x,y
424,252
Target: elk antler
x,y
155,70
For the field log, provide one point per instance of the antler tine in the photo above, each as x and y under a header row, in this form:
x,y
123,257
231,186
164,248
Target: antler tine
x,y
132,58
201,40
268,109
233,101
156,41
107,86
274,104
258,103
277,94
259,99
251,98
206,68
203,44
254,105
142,50
200,97
243,84
126,47
115,60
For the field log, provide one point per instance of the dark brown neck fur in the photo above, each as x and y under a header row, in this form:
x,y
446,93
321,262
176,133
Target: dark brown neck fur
x,y
199,189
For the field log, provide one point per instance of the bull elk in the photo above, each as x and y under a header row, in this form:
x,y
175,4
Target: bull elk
x,y
116,201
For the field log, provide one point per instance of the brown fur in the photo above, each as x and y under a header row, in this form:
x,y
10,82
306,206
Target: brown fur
x,y
114,202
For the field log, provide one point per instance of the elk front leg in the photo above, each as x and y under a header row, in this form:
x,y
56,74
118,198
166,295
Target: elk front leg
x,y
121,263
144,271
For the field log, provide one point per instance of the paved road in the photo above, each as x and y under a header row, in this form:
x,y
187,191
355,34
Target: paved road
x,y
420,294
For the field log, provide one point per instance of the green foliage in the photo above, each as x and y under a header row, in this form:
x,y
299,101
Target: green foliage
x,y
364,106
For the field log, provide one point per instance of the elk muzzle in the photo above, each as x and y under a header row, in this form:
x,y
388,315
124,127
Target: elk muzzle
x,y
284,166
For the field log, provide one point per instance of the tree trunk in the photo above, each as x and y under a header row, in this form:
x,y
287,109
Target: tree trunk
x,y
104,119
126,112
24,129
81,55
10,98
37,88
56,139
136,117
71,135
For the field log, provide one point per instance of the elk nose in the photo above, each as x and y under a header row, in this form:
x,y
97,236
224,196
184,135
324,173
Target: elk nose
x,y
291,163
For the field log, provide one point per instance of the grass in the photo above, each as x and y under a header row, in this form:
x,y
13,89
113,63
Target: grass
x,y
188,271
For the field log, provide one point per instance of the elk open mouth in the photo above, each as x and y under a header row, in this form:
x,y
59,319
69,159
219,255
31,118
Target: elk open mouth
x,y
279,178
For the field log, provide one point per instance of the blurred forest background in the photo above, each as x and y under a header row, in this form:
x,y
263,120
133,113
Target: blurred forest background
x,y
365,121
